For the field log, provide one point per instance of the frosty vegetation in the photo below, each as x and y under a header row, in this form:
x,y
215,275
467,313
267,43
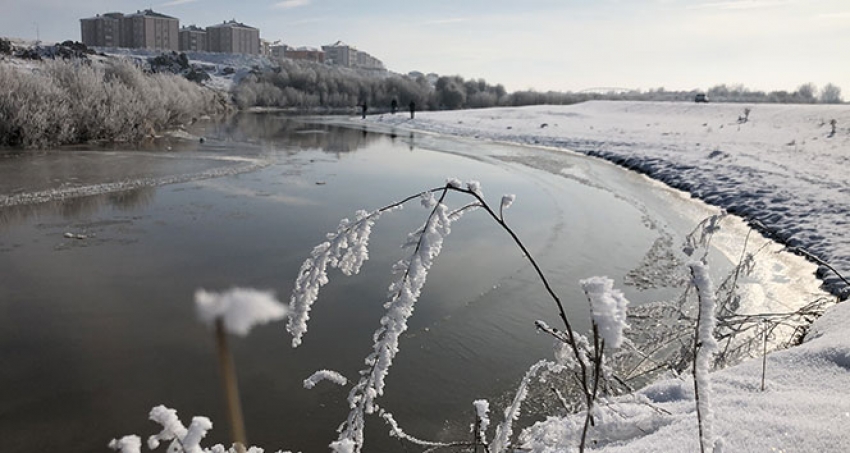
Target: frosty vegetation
x,y
592,375
58,102
300,84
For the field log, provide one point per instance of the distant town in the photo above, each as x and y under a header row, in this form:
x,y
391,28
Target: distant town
x,y
147,29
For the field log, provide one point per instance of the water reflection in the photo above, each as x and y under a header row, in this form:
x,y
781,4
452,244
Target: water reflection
x,y
282,131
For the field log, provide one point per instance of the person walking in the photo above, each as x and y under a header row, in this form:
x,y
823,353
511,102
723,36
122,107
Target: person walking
x,y
412,109
393,106
364,107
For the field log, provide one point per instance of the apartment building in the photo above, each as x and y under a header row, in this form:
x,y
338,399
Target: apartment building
x,y
193,39
145,30
102,31
233,37
305,53
150,30
341,54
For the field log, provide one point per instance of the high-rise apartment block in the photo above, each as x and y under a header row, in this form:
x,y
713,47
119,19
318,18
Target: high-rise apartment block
x,y
193,39
145,30
102,31
233,37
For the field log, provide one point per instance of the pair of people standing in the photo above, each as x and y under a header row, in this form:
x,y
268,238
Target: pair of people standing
x,y
393,107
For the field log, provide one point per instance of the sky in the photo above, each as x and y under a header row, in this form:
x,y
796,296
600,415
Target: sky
x,y
563,45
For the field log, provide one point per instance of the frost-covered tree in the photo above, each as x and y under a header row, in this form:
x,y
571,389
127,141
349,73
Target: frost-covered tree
x,y
830,94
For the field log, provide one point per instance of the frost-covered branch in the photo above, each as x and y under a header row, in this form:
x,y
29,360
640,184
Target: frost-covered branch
x,y
502,438
426,243
324,375
705,346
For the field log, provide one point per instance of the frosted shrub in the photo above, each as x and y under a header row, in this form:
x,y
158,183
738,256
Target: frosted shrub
x,y
62,102
33,110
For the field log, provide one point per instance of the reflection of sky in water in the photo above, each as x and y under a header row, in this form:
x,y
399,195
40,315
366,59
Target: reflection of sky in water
x,y
95,332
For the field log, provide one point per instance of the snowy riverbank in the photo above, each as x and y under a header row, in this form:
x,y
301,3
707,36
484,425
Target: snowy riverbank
x,y
780,167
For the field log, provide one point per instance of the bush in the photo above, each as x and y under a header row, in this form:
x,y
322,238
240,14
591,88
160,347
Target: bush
x,y
64,102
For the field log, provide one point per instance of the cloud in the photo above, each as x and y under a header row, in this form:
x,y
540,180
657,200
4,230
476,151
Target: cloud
x,y
177,2
289,4
452,20
741,4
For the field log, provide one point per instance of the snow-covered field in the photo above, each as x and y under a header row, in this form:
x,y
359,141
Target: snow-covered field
x,y
782,167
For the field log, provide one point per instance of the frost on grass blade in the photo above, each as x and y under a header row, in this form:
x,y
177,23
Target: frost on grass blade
x,y
608,308
240,309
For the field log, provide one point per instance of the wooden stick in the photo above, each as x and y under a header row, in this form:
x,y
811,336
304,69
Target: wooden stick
x,y
231,388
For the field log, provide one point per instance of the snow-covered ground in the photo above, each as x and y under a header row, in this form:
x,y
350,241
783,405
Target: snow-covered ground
x,y
225,69
779,166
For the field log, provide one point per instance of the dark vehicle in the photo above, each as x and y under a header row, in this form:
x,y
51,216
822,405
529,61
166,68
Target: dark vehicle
x,y
701,97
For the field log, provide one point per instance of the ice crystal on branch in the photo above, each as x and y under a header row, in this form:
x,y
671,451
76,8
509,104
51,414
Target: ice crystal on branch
x,y
346,249
324,375
608,308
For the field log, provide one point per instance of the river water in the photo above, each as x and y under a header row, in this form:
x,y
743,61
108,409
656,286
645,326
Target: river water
x,y
102,249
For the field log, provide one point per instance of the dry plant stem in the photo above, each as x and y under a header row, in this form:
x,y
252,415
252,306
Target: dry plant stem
x,y
598,346
697,345
561,312
231,388
764,360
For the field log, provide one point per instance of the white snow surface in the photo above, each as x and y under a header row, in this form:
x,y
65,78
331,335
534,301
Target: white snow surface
x,y
240,309
783,169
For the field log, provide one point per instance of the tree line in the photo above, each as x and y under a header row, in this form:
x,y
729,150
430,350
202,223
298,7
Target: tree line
x,y
301,84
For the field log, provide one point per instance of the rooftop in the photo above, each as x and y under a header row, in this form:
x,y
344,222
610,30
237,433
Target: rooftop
x,y
151,13
193,28
232,24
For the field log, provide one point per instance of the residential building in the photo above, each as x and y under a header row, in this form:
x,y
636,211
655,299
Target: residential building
x,y
265,48
102,31
278,51
193,39
305,53
341,54
366,61
150,30
233,37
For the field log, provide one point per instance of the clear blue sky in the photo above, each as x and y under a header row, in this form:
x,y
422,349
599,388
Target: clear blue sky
x,y
540,44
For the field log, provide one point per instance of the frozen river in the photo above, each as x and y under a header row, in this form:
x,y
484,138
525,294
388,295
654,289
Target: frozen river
x,y
101,251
